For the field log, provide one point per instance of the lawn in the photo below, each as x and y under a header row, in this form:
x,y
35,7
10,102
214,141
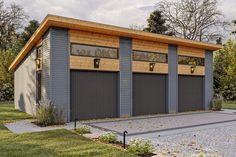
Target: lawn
x,y
49,143
229,105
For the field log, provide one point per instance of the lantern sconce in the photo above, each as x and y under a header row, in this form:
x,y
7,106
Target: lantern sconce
x,y
151,66
38,63
96,62
192,68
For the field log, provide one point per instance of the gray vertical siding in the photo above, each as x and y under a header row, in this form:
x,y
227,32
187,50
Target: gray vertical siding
x,y
59,50
55,74
208,82
172,96
125,77
46,80
25,83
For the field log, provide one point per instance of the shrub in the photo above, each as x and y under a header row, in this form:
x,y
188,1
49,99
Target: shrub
x,y
6,92
140,147
108,137
44,114
83,130
47,114
216,104
58,115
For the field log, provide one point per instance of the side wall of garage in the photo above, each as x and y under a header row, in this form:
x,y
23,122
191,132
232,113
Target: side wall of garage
x,y
25,84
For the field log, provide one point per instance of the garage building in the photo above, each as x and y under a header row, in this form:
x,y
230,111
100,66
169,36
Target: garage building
x,y
91,70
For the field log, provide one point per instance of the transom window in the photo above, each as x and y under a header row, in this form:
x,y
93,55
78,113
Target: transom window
x,y
149,56
191,60
39,52
94,51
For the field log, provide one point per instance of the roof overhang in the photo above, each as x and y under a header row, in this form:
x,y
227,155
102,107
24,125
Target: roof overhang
x,y
75,24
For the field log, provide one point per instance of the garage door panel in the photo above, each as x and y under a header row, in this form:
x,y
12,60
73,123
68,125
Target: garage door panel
x,y
149,94
190,93
93,95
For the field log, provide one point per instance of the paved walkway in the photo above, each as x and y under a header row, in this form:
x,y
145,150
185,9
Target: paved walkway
x,y
26,126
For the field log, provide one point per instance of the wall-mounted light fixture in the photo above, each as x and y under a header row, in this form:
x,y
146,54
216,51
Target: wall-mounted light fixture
x,y
38,62
151,66
192,68
96,62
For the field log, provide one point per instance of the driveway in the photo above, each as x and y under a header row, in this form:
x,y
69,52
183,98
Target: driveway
x,y
181,134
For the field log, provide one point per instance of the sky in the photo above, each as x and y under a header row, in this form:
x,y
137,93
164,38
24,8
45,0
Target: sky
x,y
115,12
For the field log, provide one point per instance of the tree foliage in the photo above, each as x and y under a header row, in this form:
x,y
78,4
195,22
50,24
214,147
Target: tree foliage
x,y
6,77
24,36
193,19
12,38
225,71
157,24
11,20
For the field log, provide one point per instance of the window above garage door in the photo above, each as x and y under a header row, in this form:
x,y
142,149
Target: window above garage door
x,y
94,51
149,56
187,60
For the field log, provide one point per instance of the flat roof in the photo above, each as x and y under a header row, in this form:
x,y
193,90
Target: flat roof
x,y
75,24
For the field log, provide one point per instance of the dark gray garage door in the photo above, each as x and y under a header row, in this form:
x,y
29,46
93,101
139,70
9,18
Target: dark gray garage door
x,y
190,93
93,95
149,94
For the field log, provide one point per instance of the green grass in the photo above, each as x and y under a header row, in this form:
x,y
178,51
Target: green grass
x,y
229,105
9,114
62,143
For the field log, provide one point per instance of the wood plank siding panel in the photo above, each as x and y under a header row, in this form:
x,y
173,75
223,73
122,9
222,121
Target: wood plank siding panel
x,y
151,46
143,67
190,51
91,38
185,70
87,63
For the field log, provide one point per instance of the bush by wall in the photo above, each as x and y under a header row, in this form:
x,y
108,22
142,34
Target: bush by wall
x,y
216,104
47,114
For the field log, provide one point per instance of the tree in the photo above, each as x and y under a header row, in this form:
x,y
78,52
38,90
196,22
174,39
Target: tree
x,y
136,27
156,23
29,31
25,35
11,20
219,41
225,71
193,19
6,77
